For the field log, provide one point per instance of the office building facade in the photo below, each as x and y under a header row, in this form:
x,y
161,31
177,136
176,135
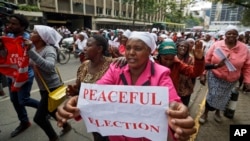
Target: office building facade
x,y
94,14
225,14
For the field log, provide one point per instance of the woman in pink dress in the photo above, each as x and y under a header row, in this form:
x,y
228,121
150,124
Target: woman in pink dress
x,y
141,71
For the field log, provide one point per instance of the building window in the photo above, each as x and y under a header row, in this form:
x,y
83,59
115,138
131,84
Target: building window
x,y
99,10
108,11
21,2
116,12
130,15
124,13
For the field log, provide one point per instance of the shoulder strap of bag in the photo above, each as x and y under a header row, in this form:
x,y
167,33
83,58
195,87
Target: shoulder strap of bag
x,y
59,74
41,78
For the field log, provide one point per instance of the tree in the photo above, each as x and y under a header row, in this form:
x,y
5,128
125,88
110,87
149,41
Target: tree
x,y
171,11
191,21
142,8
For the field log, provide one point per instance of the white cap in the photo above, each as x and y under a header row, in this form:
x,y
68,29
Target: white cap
x,y
231,27
154,29
164,36
154,36
178,34
120,30
126,33
84,35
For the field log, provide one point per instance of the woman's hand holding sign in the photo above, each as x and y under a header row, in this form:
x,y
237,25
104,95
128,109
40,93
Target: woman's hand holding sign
x,y
67,110
180,122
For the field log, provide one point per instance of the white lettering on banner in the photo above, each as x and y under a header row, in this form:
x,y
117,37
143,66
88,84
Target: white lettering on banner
x,y
133,111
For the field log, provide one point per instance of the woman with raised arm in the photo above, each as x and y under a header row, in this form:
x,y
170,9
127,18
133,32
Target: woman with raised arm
x,y
141,71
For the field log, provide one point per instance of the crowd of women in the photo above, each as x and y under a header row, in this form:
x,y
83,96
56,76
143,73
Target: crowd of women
x,y
185,59
140,59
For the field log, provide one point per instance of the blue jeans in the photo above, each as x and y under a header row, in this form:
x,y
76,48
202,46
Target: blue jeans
x,y
22,98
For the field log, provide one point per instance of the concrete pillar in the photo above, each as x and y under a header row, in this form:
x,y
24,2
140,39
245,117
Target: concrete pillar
x,y
56,5
71,6
113,8
84,7
95,7
104,8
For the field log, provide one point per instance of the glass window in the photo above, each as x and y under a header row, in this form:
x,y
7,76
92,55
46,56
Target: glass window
x,y
116,12
108,11
124,13
99,10
130,15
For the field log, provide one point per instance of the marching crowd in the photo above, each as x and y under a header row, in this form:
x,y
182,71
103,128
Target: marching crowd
x,y
125,57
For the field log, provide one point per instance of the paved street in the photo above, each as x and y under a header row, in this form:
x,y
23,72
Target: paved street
x,y
207,132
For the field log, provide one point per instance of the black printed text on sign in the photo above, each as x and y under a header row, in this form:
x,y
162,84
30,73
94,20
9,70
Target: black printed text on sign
x,y
239,132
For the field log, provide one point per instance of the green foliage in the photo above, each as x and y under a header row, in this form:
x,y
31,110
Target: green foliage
x,y
32,8
246,18
191,21
168,8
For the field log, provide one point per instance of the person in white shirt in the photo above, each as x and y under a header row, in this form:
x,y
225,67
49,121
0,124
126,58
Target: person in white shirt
x,y
207,42
81,42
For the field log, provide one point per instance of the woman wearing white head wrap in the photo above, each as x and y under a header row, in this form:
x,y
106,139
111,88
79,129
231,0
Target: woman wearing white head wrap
x,y
223,78
191,43
242,37
48,34
43,59
120,50
148,38
126,33
140,71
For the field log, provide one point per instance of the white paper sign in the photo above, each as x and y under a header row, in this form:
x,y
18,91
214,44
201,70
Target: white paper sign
x,y
132,111
229,65
113,43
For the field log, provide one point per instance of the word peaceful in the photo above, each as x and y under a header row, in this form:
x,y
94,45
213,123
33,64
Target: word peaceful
x,y
133,111
131,97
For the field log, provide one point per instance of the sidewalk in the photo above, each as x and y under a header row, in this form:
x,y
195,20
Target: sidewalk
x,y
211,130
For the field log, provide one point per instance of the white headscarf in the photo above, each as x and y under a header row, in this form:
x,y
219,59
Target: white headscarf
x,y
154,29
154,36
242,33
164,36
126,33
84,35
48,34
231,27
221,33
146,37
191,39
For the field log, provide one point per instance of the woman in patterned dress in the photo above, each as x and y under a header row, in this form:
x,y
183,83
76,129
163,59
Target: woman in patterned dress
x,y
220,80
92,69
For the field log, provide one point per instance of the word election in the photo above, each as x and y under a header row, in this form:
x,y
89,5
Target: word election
x,y
125,110
125,125
239,132
143,98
